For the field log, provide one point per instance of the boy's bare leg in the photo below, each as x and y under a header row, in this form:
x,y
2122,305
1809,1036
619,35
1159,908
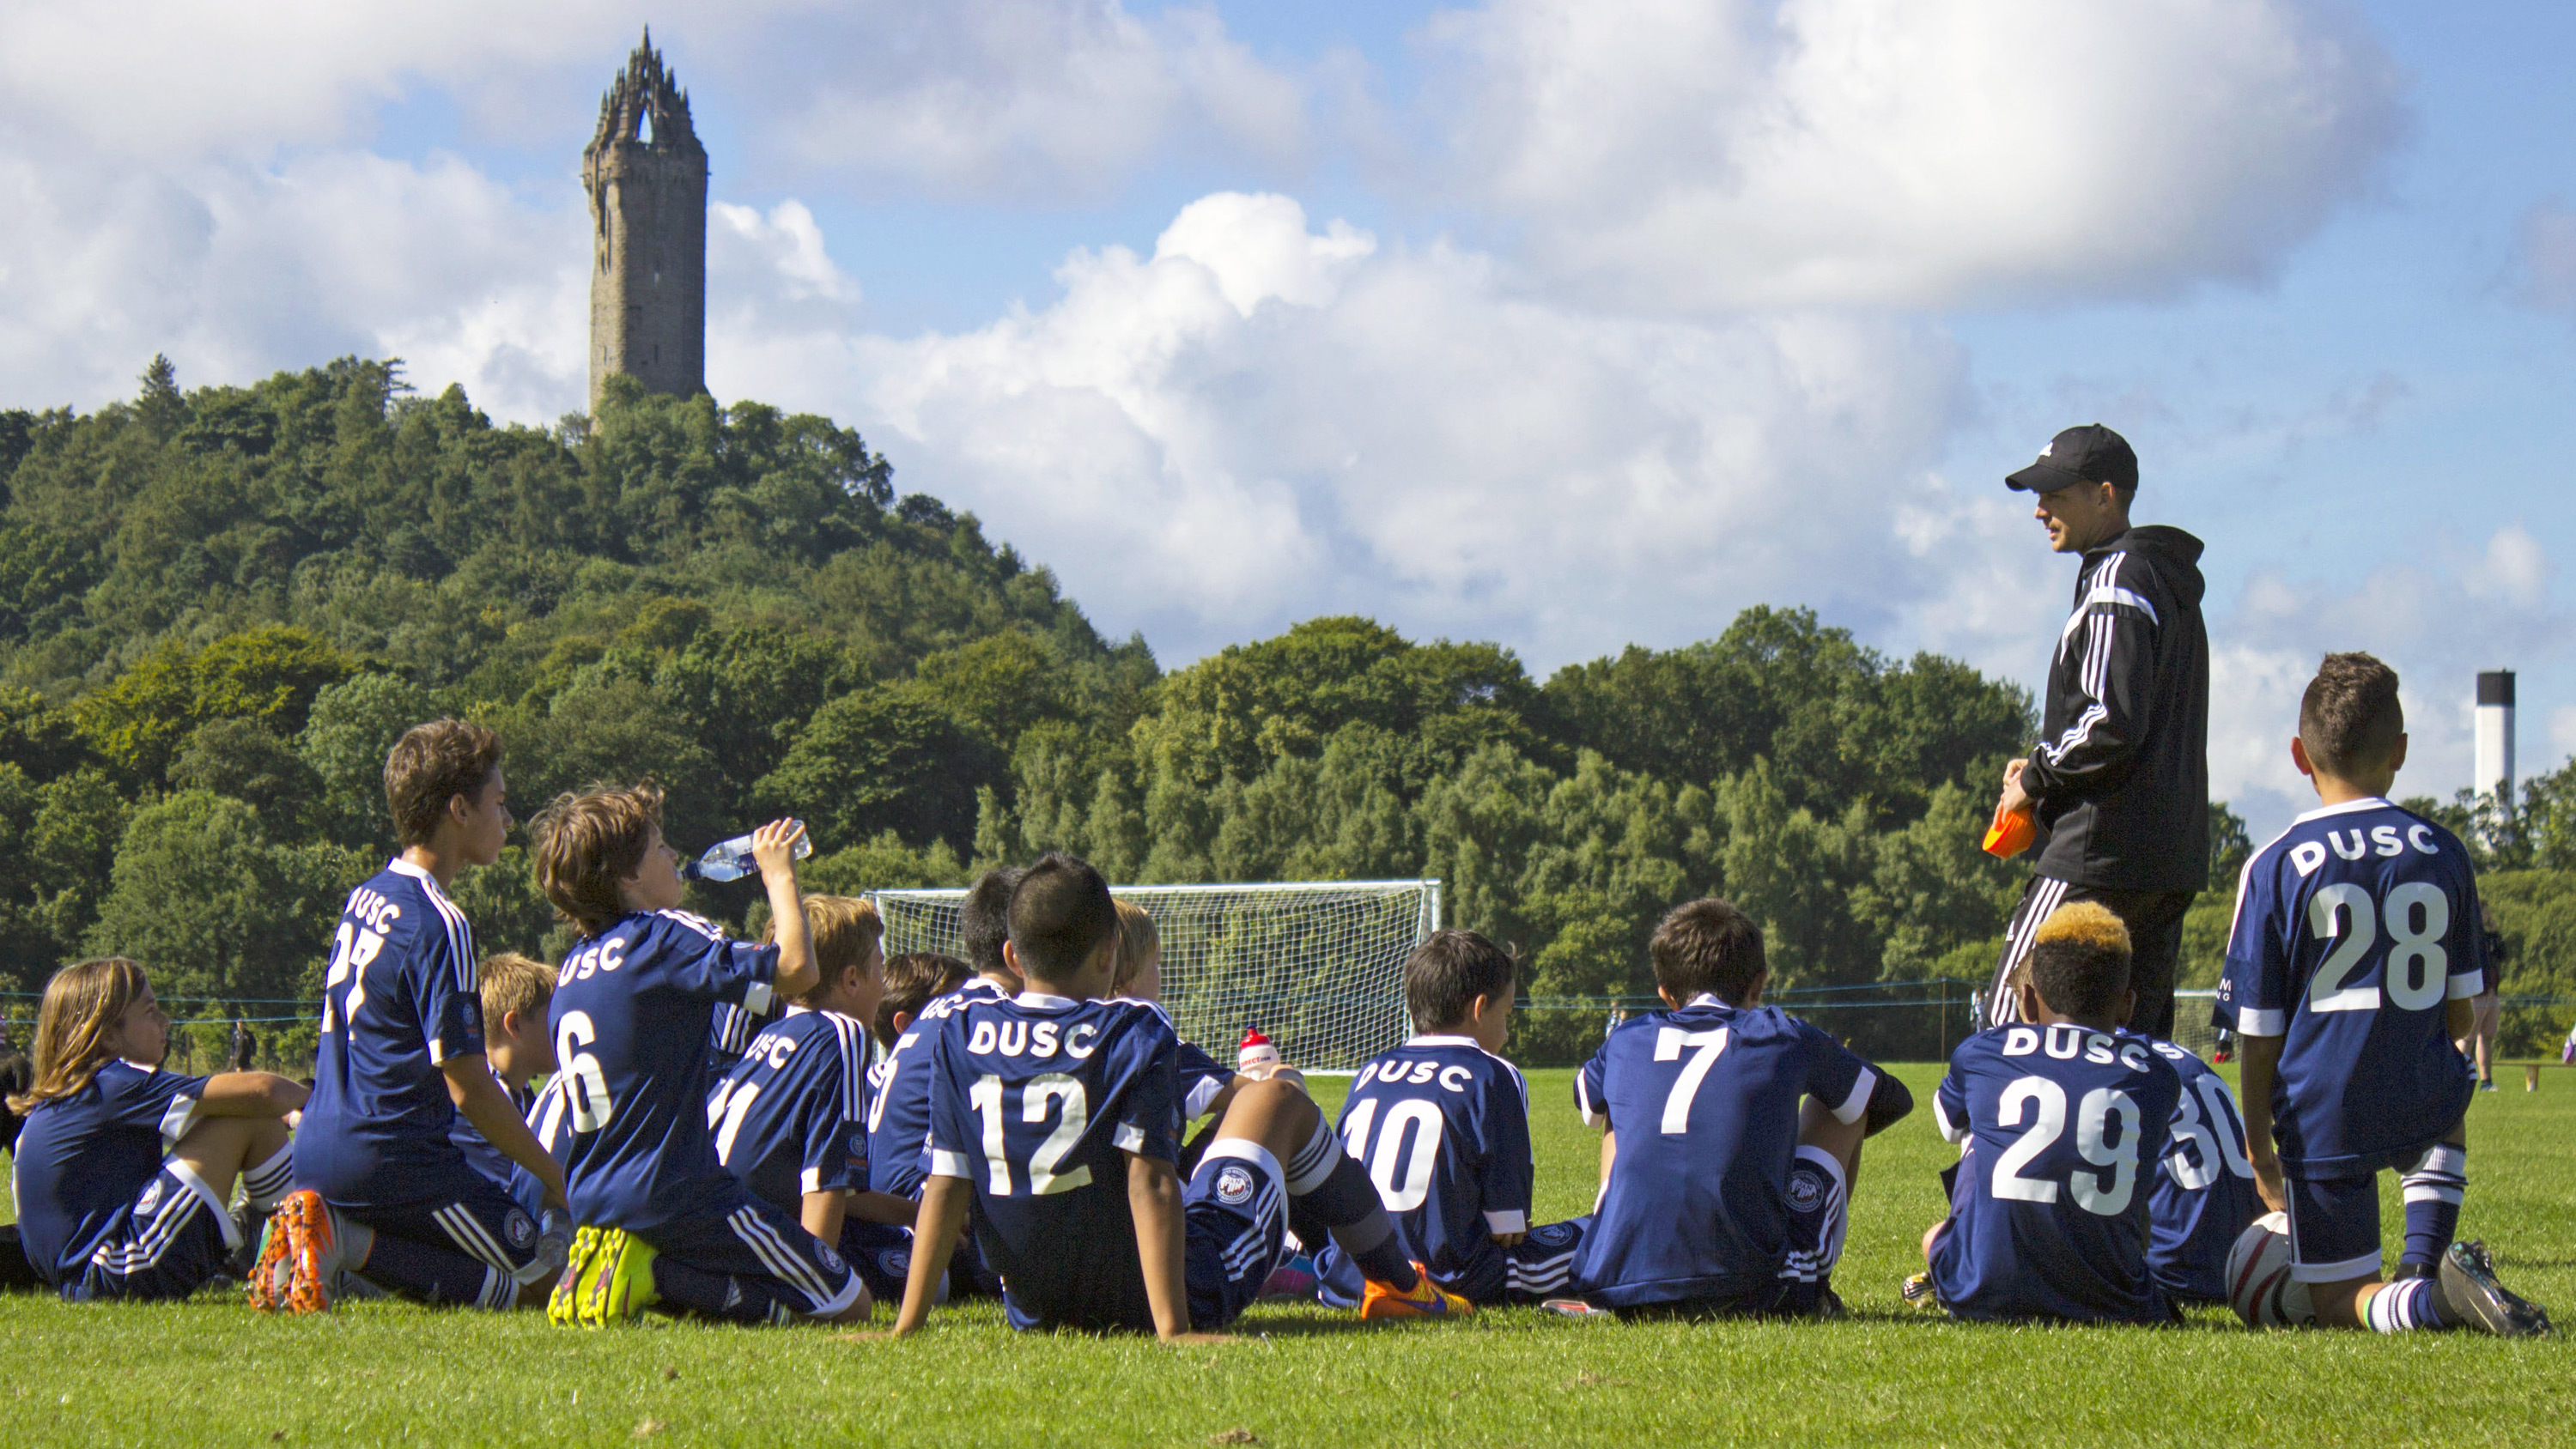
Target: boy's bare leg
x,y
219,1148
1820,1128
1326,1183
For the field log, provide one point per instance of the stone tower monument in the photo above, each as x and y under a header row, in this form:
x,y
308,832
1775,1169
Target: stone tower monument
x,y
647,179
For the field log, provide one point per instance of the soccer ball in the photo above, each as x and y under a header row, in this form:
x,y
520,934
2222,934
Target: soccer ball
x,y
2259,1285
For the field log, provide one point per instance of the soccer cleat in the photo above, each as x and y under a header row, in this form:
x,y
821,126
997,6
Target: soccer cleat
x,y
1917,1292
1576,1308
299,1263
619,1283
1427,1300
2469,1286
563,1306
1294,1278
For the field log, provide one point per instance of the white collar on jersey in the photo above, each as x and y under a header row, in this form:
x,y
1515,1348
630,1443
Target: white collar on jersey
x,y
1464,1041
2373,802
1043,1001
1705,998
400,866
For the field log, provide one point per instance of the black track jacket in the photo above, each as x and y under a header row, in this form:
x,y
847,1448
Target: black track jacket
x,y
2121,771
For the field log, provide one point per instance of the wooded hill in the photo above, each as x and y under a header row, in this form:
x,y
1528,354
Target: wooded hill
x,y
218,608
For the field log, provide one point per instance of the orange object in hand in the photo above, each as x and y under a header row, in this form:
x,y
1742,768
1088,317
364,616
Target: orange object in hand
x,y
2011,833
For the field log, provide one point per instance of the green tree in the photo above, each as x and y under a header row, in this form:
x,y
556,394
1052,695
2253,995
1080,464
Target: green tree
x,y
874,761
347,738
213,908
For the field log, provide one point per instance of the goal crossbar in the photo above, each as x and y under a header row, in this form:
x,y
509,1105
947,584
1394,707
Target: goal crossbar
x,y
1317,965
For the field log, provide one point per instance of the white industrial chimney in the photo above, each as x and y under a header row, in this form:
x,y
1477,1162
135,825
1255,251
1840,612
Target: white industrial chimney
x,y
2495,736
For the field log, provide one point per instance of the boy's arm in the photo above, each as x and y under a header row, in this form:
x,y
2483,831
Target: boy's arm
x,y
478,1096
2458,1017
883,1207
1154,1200
250,1094
944,1201
773,847
2258,1065
821,1213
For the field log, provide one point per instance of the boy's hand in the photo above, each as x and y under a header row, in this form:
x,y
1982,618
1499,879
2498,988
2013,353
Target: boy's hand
x,y
2013,797
2267,1182
1509,1240
773,847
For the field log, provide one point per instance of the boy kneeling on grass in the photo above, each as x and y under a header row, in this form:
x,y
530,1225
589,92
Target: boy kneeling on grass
x,y
1053,1119
2356,949
124,1172
662,1222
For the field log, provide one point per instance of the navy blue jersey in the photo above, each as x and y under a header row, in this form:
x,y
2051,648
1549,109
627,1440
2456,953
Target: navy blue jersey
x,y
1038,1102
550,1119
83,1159
1704,1104
899,1096
495,1164
1443,1127
2352,930
2060,1129
791,1117
2204,1193
729,1034
630,1020
399,1000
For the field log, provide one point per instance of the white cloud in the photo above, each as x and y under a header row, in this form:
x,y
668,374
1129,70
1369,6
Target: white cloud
x,y
2547,254
1665,153
2436,624
1263,421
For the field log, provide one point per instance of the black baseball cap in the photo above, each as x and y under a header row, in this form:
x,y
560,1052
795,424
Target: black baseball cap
x,y
2091,453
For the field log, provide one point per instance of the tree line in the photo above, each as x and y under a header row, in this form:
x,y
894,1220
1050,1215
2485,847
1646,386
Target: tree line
x,y
218,607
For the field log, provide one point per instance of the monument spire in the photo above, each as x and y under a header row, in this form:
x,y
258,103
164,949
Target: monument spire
x,y
646,175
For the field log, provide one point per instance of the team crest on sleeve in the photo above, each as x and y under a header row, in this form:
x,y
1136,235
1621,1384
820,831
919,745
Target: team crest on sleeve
x,y
471,1011
1806,1189
521,1229
151,1199
1550,1235
895,1261
1233,1185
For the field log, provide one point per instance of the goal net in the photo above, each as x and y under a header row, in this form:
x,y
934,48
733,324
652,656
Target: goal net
x,y
1318,966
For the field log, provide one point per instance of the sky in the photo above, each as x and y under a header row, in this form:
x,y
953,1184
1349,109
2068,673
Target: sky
x,y
1564,323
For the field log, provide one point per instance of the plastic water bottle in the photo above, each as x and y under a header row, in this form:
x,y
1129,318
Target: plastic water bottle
x,y
1256,1058
732,859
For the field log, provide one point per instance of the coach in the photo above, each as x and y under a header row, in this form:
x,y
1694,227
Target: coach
x,y
2119,781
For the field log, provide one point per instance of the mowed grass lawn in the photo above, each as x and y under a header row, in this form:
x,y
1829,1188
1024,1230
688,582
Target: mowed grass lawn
x,y
210,1372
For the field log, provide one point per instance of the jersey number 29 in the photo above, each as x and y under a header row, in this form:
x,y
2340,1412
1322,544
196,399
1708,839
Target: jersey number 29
x,y
2092,1192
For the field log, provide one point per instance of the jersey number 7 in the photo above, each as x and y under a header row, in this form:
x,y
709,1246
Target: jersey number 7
x,y
1704,1047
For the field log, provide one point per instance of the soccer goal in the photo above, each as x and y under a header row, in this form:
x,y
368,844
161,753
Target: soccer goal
x,y
1317,965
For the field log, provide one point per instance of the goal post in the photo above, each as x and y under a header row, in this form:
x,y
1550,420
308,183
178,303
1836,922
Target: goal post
x,y
1317,965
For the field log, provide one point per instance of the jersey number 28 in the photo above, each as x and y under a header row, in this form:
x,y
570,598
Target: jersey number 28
x,y
2418,972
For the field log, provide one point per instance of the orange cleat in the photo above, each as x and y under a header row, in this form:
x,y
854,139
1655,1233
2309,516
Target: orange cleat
x,y
1427,1300
299,1260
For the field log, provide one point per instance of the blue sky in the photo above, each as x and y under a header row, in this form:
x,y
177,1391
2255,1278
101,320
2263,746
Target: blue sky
x,y
1561,324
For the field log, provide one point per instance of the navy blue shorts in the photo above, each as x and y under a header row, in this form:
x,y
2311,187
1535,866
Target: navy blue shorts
x,y
478,1218
757,1240
882,1254
1236,1206
174,1238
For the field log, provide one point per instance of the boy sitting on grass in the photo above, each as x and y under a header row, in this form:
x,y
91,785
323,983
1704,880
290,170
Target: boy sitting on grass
x,y
381,1189
663,1223
2059,1118
2356,948
124,1172
515,991
1053,1119
1443,1123
2204,1194
1733,1131
790,1119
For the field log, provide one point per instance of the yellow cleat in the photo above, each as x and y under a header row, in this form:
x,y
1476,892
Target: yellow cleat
x,y
1427,1300
562,1308
619,1283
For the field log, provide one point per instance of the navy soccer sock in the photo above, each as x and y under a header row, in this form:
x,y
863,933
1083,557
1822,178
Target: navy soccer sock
x,y
715,1295
435,1275
1333,1189
2433,1189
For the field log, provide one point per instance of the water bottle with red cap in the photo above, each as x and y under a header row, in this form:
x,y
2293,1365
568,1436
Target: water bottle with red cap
x,y
1257,1058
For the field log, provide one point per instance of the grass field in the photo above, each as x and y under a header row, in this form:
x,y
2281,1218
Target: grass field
x,y
210,1372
